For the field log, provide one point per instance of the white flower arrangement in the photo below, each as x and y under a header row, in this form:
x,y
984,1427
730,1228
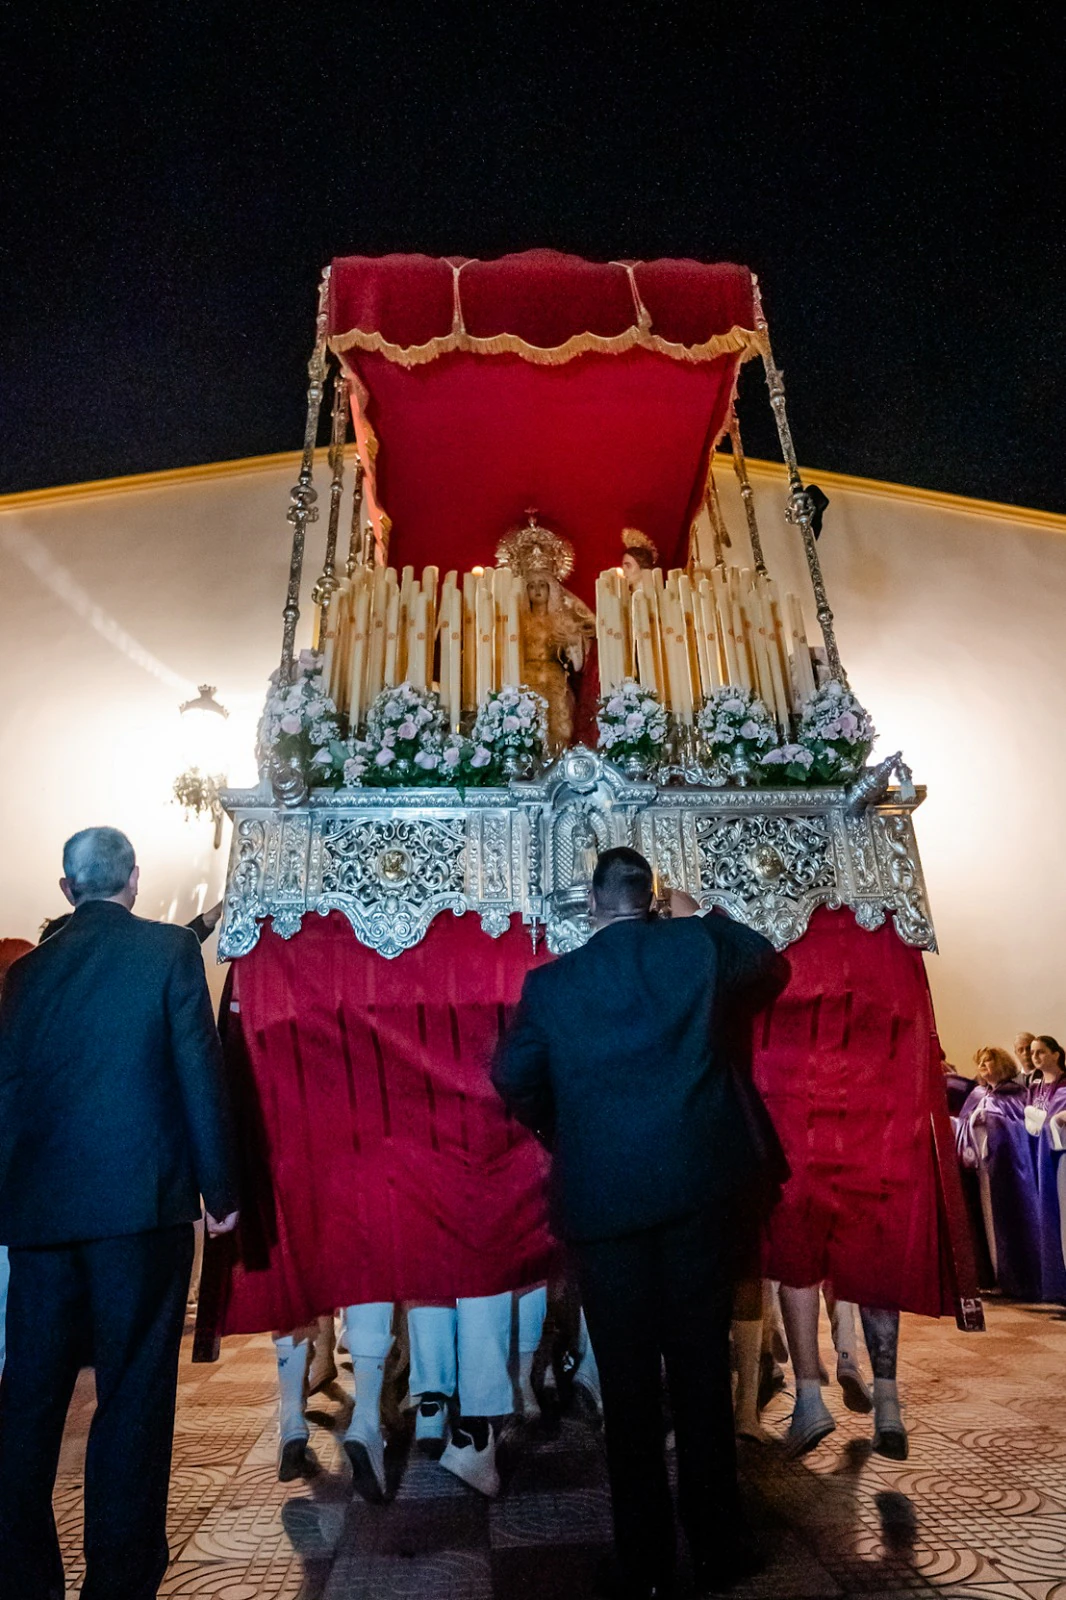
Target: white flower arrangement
x,y
737,727
632,723
300,723
512,718
512,721
786,764
405,741
837,732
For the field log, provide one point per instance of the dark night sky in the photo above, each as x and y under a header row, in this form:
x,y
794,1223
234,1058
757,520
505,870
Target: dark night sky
x,y
179,174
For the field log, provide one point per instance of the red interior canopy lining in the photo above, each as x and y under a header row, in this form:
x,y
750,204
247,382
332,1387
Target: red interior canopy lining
x,y
594,392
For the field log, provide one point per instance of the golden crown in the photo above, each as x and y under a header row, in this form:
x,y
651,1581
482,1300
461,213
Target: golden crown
x,y
533,550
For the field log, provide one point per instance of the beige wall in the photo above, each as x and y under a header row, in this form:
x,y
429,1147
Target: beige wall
x,y
113,605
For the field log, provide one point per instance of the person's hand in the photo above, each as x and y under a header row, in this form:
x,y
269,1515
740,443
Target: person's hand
x,y
682,904
212,917
227,1224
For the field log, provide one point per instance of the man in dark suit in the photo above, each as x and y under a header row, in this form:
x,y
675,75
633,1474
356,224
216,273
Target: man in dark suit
x,y
112,1125
618,1058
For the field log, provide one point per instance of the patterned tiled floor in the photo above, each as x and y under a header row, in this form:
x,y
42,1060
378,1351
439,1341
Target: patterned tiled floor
x,y
979,1510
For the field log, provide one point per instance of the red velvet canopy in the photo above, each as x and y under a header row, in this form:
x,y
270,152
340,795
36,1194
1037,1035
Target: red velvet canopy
x,y
593,392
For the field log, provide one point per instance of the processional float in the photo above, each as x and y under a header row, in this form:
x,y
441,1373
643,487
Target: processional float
x,y
469,731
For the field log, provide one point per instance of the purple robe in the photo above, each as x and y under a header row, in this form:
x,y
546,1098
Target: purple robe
x,y
990,1246
1023,1179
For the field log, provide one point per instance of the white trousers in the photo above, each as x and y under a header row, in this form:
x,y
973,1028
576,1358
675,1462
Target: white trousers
x,y
466,1348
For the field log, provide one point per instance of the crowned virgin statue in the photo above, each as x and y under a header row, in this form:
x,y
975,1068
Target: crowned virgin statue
x,y
558,629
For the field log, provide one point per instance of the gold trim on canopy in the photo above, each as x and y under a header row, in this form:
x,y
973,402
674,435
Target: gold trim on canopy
x,y
746,342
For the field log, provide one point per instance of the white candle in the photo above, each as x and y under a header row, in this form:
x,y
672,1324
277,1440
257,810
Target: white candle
x,y
357,661
803,672
485,606
469,653
392,636
512,658
711,634
451,643
644,644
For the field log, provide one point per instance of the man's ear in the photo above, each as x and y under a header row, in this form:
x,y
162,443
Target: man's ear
x,y
592,901
64,884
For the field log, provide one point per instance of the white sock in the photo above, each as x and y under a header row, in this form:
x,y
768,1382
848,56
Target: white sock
x,y
809,1395
887,1413
293,1361
747,1347
369,1334
366,1417
844,1333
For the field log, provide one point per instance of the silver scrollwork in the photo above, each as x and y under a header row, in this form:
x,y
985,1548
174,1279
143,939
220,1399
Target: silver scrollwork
x,y
392,860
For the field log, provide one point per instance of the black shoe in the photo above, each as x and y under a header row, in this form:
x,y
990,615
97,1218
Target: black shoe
x,y
297,1460
892,1443
365,1480
722,1571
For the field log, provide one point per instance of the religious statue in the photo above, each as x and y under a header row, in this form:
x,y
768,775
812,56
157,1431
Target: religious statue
x,y
640,555
586,848
557,627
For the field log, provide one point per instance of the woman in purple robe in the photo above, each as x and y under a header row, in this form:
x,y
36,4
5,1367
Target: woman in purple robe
x,y
997,1094
1047,1086
1025,1180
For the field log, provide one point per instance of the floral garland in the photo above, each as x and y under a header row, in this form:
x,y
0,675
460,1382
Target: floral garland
x,y
631,723
837,732
737,727
299,726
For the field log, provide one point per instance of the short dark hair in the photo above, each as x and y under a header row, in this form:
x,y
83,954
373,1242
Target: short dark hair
x,y
622,880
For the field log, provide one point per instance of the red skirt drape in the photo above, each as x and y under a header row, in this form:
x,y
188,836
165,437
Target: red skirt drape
x,y
848,1063
379,1163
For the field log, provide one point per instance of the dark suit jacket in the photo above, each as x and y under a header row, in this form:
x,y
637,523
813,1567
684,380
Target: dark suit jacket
x,y
113,1117
619,1058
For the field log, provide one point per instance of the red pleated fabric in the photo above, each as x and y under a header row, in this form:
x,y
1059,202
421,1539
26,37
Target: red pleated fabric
x,y
848,1064
379,1161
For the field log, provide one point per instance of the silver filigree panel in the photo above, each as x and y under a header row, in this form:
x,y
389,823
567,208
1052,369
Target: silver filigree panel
x,y
392,860
767,871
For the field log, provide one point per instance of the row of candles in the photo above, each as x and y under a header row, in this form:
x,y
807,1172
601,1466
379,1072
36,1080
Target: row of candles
x,y
688,633
683,635
384,627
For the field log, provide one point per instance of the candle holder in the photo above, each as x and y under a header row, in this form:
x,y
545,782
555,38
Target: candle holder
x,y
635,766
518,763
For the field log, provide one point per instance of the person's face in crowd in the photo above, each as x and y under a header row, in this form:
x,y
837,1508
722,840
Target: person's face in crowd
x,y
1045,1061
984,1070
1022,1047
631,568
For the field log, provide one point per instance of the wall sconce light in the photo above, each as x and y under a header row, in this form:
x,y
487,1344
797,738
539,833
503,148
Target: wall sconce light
x,y
197,788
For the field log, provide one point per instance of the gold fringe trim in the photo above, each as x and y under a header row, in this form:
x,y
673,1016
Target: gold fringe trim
x,y
746,342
